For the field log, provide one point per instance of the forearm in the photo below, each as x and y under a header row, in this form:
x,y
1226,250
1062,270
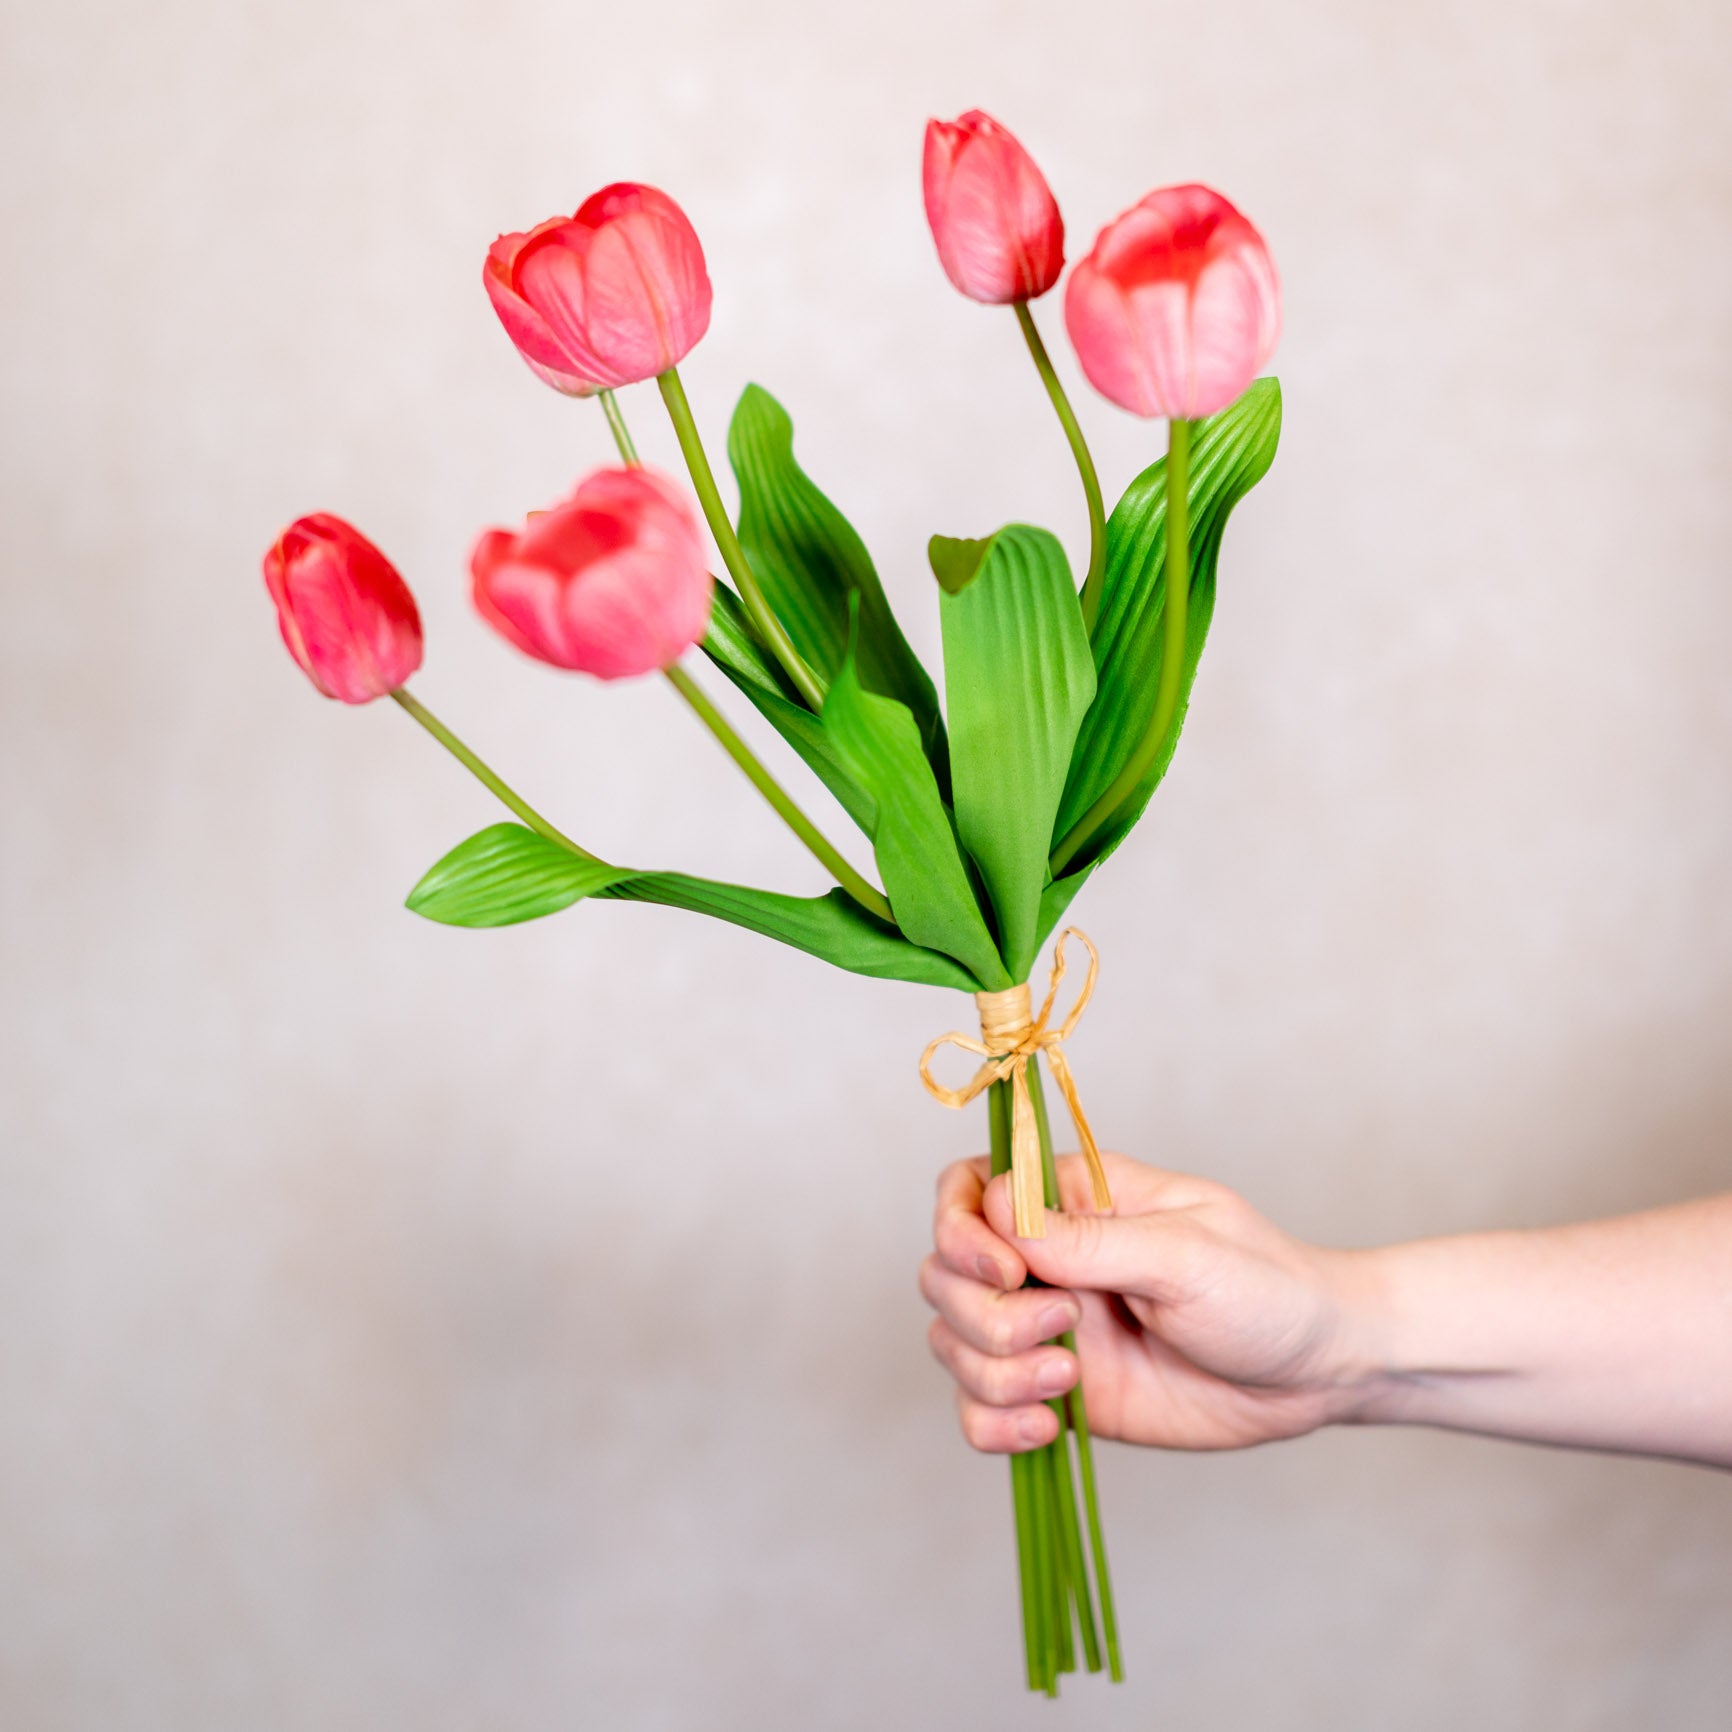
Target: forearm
x,y
1611,1335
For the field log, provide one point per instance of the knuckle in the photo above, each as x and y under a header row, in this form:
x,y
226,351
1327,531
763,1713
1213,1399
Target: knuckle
x,y
1004,1379
950,1233
1216,1199
950,1178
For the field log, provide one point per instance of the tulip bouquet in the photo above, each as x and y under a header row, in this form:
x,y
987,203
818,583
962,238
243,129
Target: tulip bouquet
x,y
1063,702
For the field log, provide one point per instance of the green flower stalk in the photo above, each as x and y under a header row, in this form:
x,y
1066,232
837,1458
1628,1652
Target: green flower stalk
x,y
1085,464
769,628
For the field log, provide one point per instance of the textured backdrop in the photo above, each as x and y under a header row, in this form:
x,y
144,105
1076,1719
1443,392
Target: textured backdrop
x,y
404,1327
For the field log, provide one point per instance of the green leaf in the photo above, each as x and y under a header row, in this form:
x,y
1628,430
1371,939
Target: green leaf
x,y
507,873
735,648
912,836
834,928
1055,899
955,562
1230,453
1017,679
809,561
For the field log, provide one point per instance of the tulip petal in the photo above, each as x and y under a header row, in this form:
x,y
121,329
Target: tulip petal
x,y
630,616
1105,337
627,313
526,328
1226,325
553,282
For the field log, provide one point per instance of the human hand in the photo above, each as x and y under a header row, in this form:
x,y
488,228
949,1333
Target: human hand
x,y
1199,1325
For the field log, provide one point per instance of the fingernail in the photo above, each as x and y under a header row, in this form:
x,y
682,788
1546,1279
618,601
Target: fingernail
x,y
1054,1377
1056,1319
990,1272
1031,1428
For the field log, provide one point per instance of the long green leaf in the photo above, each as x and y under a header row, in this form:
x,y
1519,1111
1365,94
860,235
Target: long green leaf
x,y
1018,678
507,873
1230,453
809,561
834,928
912,835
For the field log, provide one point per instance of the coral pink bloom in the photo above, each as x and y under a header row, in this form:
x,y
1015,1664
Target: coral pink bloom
x,y
612,295
1178,306
347,617
612,582
1000,237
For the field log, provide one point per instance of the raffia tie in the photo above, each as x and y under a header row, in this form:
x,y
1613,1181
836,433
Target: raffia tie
x,y
1009,1041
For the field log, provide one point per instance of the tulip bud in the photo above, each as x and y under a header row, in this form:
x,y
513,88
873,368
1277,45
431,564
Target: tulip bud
x,y
615,294
612,582
1000,237
347,617
1178,306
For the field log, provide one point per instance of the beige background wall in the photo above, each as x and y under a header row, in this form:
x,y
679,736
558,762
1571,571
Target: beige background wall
x,y
401,1327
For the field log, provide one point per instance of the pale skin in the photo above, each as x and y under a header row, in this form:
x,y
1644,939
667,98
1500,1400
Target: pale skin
x,y
1201,1325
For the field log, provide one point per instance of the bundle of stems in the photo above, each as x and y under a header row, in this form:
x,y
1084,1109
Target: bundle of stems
x,y
1059,1600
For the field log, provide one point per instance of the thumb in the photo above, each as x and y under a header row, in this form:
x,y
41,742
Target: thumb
x,y
1143,1255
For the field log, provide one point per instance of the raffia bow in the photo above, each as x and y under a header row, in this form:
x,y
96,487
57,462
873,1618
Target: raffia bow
x,y
1009,1041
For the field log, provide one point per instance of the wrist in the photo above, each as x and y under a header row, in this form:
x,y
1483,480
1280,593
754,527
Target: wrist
x,y
1428,1336
1360,1378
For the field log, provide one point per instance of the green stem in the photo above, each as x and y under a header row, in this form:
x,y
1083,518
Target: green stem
x,y
1176,609
487,778
1085,464
1045,1564
733,555
773,791
1064,1488
998,1120
1070,1534
1085,1462
1064,1529
621,434
1077,1416
1022,1503
998,1116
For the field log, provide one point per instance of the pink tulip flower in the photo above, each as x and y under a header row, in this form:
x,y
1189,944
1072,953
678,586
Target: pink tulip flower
x,y
615,294
1177,308
613,582
1000,236
347,617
